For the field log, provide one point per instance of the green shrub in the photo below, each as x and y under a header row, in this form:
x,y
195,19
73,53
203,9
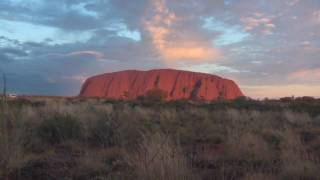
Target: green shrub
x,y
156,95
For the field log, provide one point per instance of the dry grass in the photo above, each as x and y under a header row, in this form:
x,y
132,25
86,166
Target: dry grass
x,y
259,176
158,158
298,162
94,139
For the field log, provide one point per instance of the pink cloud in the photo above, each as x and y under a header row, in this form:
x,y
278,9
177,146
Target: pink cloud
x,y
159,23
258,20
307,75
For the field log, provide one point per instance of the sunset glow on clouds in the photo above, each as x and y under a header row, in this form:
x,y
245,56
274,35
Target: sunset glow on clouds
x,y
307,75
160,23
269,47
258,20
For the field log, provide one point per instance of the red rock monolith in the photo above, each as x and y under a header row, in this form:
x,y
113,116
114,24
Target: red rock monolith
x,y
178,84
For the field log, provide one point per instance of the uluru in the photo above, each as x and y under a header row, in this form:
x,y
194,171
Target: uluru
x,y
177,84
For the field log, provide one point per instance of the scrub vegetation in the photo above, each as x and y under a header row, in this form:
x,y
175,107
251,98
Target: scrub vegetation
x,y
149,139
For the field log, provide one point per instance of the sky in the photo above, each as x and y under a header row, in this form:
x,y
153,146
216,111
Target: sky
x,y
271,48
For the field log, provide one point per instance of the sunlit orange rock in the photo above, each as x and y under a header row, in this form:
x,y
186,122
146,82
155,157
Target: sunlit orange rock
x,y
178,84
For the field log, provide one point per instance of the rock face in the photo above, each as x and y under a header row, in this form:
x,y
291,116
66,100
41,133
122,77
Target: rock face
x,y
177,84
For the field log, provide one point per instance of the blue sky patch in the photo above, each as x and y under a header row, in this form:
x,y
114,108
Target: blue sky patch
x,y
27,32
122,30
227,34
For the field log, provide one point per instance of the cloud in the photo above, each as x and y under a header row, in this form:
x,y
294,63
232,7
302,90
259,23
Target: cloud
x,y
24,31
192,52
316,15
63,14
306,43
120,29
259,21
50,46
212,68
309,75
4,58
292,2
161,24
95,54
77,78
13,52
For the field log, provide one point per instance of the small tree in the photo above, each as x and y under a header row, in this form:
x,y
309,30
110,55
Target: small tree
x,y
241,100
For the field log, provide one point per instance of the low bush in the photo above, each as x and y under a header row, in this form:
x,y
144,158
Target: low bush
x,y
59,128
156,95
101,133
